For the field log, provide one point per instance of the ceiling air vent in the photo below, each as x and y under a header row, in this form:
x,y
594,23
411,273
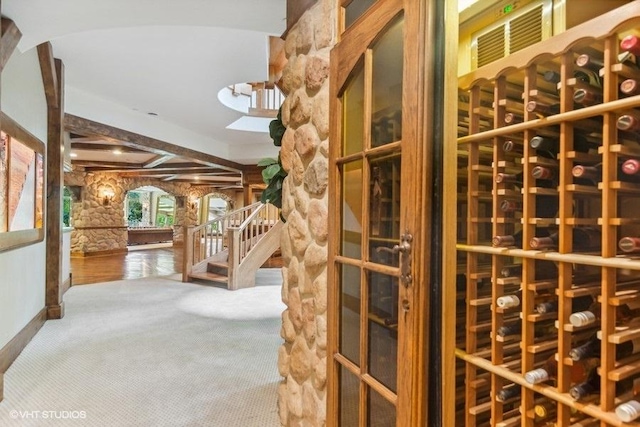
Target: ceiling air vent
x,y
491,46
525,30
519,29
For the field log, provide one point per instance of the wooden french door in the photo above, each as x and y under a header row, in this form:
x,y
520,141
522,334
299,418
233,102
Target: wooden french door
x,y
380,181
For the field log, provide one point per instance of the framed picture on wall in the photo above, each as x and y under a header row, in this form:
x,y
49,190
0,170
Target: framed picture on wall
x,y
22,177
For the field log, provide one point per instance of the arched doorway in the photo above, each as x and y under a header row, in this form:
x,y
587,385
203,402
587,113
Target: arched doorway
x,y
150,215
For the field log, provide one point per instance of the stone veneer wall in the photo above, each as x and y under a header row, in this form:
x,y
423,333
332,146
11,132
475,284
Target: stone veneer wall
x,y
100,228
302,359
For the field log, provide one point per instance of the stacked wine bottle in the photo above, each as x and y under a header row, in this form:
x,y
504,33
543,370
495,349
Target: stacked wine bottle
x,y
549,235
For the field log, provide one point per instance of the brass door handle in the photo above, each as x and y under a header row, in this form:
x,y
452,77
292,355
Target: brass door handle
x,y
404,247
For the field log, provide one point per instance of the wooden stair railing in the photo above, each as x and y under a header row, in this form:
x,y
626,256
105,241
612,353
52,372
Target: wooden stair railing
x,y
244,238
229,236
266,99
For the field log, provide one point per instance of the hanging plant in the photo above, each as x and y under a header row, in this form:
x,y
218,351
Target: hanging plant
x,y
273,173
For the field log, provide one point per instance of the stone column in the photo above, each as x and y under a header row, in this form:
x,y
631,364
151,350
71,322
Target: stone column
x,y
302,358
98,225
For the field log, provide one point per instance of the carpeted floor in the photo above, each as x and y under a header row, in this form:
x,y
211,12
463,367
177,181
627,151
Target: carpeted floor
x,y
152,352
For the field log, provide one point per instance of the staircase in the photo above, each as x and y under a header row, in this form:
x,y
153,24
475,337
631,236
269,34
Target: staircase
x,y
228,250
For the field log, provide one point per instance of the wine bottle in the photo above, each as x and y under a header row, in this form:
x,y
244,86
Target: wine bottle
x,y
588,76
540,329
624,314
544,409
592,173
585,388
551,76
543,270
509,301
584,239
589,62
630,87
577,304
509,178
628,58
544,143
543,172
629,245
631,167
508,205
590,348
587,97
542,108
631,44
549,371
628,122
512,118
507,393
514,328
593,346
509,146
508,240
628,411
511,270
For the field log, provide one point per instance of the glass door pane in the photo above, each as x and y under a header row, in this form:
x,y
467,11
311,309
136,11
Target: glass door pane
x,y
386,118
367,269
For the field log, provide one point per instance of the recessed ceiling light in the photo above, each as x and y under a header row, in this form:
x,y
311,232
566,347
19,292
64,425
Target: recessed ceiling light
x,y
197,178
73,154
117,152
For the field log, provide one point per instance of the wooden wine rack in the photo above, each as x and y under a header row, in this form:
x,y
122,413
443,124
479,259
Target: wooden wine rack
x,y
486,361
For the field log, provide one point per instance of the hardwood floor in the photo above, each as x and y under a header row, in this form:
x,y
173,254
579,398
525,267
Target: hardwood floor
x,y
135,264
132,265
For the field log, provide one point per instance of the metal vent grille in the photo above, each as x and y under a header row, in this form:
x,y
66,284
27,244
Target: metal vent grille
x,y
525,30
516,31
491,46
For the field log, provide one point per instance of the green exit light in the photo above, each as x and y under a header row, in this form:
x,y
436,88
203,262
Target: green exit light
x,y
507,9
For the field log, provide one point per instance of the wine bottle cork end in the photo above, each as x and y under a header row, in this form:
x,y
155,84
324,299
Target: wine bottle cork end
x,y
582,60
628,86
508,301
630,42
627,244
630,168
536,376
628,411
582,318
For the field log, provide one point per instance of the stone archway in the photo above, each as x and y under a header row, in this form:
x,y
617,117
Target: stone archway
x,y
98,221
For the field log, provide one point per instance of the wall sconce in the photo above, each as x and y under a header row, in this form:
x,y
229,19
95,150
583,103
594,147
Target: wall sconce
x,y
193,202
107,197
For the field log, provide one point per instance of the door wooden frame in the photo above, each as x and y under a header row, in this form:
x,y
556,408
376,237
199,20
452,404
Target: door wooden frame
x,y
417,161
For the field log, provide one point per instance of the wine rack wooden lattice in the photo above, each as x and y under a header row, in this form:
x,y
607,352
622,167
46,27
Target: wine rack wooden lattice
x,y
515,193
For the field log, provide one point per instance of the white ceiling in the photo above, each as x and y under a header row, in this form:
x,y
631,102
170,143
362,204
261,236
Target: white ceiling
x,y
126,58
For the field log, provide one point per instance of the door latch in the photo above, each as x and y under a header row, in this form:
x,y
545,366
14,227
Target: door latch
x,y
404,248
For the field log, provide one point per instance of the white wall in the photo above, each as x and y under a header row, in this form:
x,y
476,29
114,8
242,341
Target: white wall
x,y
22,270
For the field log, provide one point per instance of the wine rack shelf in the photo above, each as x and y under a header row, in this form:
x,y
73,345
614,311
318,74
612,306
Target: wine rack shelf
x,y
548,283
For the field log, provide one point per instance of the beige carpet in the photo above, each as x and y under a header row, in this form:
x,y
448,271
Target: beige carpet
x,y
152,352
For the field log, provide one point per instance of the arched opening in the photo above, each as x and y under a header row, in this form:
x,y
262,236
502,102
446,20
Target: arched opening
x,y
213,206
150,214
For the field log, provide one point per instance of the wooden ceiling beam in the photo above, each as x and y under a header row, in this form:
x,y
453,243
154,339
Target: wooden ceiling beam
x,y
105,147
138,172
9,39
158,160
87,139
47,68
89,127
100,166
169,168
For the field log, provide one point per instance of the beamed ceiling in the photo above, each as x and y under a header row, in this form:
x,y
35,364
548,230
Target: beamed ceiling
x,y
97,147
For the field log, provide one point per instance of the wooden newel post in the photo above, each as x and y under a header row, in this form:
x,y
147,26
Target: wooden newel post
x,y
187,253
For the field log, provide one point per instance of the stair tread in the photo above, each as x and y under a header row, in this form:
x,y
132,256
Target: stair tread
x,y
219,264
210,276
